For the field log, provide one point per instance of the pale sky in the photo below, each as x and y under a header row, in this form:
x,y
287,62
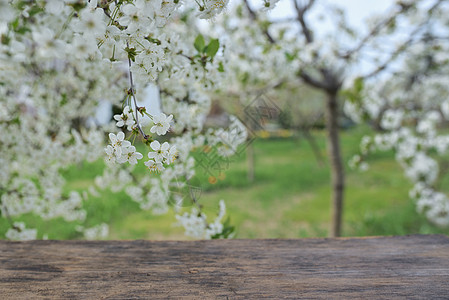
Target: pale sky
x,y
356,10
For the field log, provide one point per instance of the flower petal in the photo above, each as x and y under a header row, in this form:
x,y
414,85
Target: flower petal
x,y
120,136
155,145
165,146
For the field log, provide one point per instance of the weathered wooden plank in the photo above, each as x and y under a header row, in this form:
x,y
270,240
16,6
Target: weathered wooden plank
x,y
384,267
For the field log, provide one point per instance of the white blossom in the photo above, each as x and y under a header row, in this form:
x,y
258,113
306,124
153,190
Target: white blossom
x,y
118,143
196,226
211,8
20,233
100,231
126,118
154,166
161,124
129,154
269,4
160,151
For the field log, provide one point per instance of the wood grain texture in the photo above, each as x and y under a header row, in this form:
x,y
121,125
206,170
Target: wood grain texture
x,y
413,267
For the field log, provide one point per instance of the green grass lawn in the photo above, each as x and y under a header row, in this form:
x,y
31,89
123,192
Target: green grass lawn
x,y
289,198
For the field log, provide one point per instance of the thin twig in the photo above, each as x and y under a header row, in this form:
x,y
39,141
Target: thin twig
x,y
374,31
134,98
404,45
254,17
300,17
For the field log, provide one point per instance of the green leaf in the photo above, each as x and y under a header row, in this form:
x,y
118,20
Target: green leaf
x,y
220,67
14,24
131,53
4,39
355,93
34,10
228,231
358,84
212,48
290,57
77,6
64,99
23,30
199,43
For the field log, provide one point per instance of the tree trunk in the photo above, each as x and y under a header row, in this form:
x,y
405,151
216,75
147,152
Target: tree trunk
x,y
250,160
337,170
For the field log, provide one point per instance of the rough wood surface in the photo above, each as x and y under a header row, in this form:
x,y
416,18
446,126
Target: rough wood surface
x,y
386,267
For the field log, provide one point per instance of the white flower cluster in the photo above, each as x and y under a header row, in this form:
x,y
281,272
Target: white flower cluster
x,y
357,162
211,8
434,204
410,106
58,60
19,233
97,232
412,114
196,225
126,118
269,4
252,64
171,159
228,139
48,97
162,154
120,150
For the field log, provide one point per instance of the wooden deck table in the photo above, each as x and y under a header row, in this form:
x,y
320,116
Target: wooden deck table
x,y
410,267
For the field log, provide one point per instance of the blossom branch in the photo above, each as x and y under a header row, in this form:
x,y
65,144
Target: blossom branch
x,y
131,82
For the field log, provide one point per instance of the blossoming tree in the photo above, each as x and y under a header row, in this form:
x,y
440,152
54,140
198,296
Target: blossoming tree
x,y
295,50
58,60
410,110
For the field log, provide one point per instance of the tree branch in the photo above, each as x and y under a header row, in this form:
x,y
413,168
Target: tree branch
x,y
374,31
384,23
254,17
393,56
312,81
301,10
131,82
404,45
